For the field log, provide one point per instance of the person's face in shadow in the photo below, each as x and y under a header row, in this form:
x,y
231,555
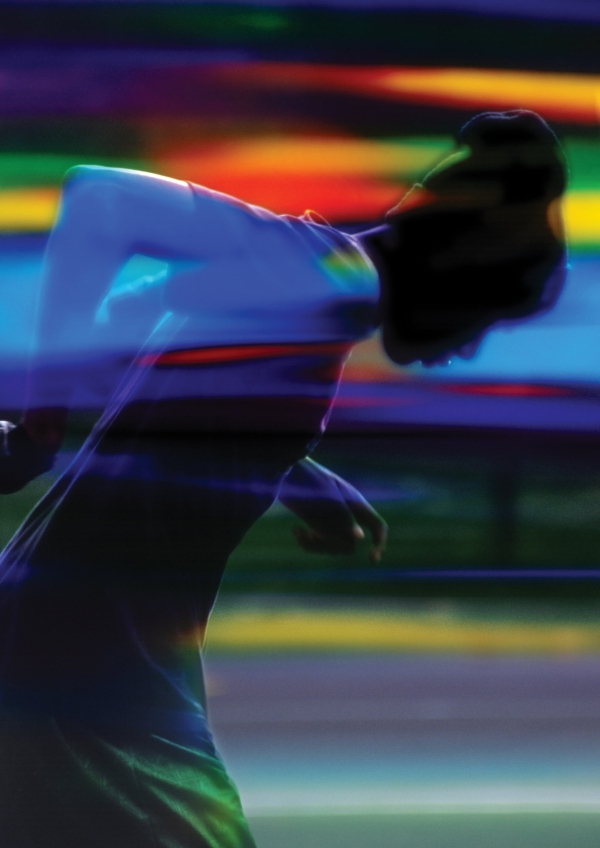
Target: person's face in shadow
x,y
479,243
431,353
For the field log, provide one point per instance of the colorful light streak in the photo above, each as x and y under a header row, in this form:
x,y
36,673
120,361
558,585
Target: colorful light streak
x,y
309,155
28,209
556,96
327,630
34,209
343,178
242,353
508,389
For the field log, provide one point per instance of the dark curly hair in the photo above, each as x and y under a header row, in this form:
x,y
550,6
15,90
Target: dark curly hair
x,y
479,239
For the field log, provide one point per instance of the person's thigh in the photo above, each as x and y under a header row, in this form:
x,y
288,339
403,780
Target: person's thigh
x,y
70,787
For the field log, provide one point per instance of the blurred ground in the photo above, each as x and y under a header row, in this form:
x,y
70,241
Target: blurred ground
x,y
439,830
411,750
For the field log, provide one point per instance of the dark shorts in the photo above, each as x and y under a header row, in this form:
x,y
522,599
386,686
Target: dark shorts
x,y
67,786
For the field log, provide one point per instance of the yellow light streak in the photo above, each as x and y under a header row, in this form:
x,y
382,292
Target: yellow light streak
x,y
551,94
28,209
572,97
581,210
358,631
34,210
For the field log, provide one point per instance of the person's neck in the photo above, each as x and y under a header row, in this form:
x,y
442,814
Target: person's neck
x,y
372,233
372,240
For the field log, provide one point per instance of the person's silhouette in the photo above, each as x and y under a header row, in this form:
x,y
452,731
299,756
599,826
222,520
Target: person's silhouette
x,y
215,380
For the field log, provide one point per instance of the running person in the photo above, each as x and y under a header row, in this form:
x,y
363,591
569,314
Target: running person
x,y
108,587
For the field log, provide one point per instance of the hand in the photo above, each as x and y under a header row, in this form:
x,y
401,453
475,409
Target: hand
x,y
334,511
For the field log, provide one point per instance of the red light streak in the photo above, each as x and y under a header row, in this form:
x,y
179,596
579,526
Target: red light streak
x,y
243,353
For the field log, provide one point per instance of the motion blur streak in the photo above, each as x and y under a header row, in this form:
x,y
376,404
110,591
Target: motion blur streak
x,y
572,97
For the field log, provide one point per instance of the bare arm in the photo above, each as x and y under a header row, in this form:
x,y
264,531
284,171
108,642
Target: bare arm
x,y
334,511
106,215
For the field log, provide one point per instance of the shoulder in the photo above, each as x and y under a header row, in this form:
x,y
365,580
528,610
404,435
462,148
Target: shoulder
x,y
210,197
342,255
102,173
92,181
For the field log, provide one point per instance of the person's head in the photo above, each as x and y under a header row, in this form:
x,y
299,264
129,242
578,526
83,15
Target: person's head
x,y
480,241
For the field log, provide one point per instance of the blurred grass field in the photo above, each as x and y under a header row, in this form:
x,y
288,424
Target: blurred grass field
x,y
450,503
427,830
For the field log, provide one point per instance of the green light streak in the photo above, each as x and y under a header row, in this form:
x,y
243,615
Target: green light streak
x,y
24,170
583,156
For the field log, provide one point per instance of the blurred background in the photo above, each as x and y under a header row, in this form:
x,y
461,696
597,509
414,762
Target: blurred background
x,y
449,695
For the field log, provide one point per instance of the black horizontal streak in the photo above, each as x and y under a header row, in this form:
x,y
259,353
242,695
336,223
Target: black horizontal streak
x,y
354,36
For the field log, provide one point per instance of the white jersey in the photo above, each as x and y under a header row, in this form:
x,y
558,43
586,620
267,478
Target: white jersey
x,y
269,287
